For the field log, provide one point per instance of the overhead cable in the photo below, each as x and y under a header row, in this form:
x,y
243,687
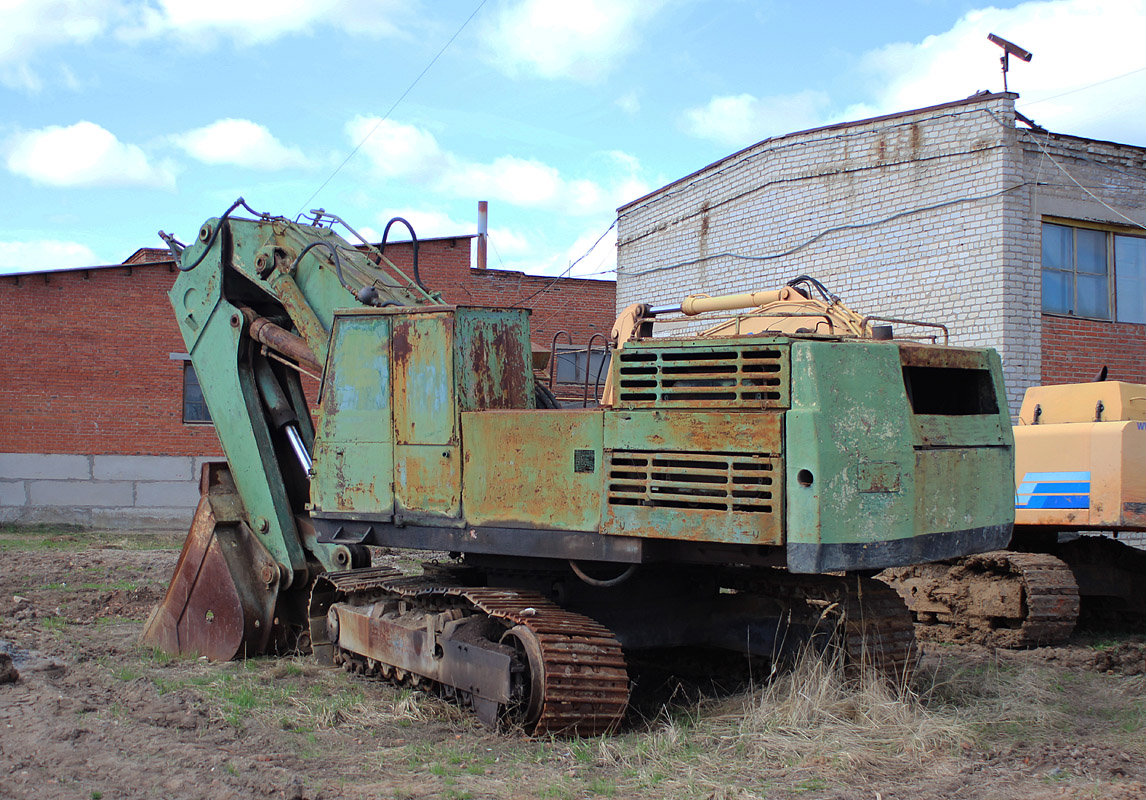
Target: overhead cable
x,y
390,111
568,269
826,232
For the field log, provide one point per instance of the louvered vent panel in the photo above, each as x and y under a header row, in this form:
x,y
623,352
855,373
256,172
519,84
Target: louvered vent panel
x,y
710,481
736,377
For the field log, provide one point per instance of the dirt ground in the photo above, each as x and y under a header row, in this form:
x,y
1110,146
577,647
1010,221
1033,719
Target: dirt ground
x,y
94,715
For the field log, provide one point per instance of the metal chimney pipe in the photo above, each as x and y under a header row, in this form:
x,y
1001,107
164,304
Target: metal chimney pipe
x,y
483,235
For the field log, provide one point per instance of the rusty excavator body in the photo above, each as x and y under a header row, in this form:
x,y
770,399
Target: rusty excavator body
x,y
734,489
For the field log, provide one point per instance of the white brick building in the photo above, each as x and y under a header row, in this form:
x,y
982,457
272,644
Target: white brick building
x,y
934,214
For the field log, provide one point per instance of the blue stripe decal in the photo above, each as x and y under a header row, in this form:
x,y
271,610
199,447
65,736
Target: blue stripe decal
x,y
1058,501
1056,476
1051,490
1059,488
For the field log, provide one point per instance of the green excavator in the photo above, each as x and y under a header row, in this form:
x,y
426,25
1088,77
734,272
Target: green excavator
x,y
733,490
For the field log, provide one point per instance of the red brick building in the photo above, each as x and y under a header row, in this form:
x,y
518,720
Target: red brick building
x,y
92,428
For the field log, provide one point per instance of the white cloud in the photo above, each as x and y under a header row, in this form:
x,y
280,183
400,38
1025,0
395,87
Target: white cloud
x,y
599,260
427,224
629,102
241,143
44,254
741,120
582,40
84,154
250,22
522,182
30,26
506,243
400,151
397,150
1075,43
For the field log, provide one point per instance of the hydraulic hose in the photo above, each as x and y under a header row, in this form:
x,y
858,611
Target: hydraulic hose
x,y
604,584
334,255
413,238
215,233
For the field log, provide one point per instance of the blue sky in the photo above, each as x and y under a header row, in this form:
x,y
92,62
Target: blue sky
x,y
121,117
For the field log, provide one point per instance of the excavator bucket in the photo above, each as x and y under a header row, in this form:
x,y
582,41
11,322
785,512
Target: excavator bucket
x,y
221,600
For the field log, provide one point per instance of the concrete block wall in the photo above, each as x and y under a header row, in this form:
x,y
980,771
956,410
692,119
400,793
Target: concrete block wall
x,y
918,215
100,491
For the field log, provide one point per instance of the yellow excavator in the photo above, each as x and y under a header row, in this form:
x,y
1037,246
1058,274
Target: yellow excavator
x,y
1080,477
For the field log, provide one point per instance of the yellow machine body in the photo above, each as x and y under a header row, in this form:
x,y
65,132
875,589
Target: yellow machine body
x,y
1080,457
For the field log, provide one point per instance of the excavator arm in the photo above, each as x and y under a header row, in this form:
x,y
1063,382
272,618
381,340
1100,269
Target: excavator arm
x,y
255,302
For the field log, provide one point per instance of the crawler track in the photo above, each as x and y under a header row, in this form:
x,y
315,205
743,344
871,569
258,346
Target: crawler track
x,y
1000,599
864,617
580,684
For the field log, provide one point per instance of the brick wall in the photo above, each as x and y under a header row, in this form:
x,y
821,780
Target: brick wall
x,y
1075,350
87,367
91,429
578,306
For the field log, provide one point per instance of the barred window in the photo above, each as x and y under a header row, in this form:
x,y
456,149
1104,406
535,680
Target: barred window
x,y
194,405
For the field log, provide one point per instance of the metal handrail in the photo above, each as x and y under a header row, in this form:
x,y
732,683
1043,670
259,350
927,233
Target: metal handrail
x,y
553,355
893,320
588,361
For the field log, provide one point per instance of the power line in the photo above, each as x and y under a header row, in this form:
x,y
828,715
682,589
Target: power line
x,y
1092,195
568,269
390,111
1084,88
823,233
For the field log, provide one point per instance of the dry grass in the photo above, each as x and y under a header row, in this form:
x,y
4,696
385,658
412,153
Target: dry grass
x,y
816,718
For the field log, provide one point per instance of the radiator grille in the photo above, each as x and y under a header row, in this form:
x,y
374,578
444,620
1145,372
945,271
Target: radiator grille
x,y
754,377
710,481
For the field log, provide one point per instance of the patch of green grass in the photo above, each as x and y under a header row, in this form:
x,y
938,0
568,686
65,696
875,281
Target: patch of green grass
x,y
17,539
54,623
127,586
62,537
583,752
126,674
602,786
811,785
231,768
155,655
96,794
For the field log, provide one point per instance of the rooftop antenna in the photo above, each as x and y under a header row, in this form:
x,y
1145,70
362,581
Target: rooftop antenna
x,y
1009,49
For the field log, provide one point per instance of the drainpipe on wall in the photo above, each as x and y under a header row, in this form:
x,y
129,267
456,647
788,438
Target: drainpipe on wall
x,y
483,222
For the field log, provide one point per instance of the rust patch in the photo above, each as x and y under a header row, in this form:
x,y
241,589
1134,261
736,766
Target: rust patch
x,y
943,357
879,477
400,347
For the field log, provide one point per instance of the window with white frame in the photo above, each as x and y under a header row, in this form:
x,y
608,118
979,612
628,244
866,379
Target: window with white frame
x,y
1093,272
